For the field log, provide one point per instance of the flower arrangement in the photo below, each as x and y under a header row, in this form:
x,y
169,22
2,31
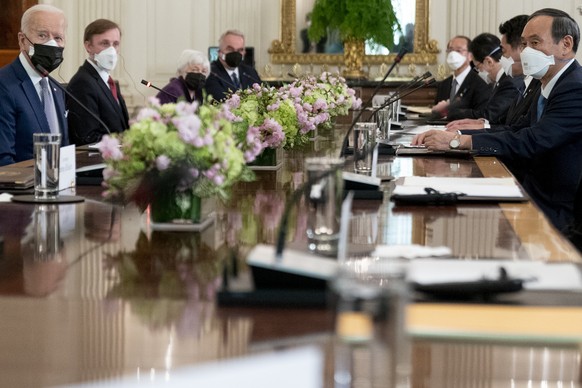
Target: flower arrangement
x,y
182,148
284,117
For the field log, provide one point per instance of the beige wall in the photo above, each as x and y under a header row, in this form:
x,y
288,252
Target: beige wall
x,y
156,31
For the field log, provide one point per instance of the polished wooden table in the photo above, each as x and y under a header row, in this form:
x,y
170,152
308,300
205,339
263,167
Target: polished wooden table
x,y
91,291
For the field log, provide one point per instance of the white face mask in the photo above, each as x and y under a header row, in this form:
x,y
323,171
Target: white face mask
x,y
484,76
535,62
506,64
455,60
106,59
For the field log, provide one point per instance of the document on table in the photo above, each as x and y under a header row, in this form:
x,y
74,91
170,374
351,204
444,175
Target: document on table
x,y
422,128
469,187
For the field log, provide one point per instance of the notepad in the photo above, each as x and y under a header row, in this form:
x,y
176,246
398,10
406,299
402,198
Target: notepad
x,y
468,189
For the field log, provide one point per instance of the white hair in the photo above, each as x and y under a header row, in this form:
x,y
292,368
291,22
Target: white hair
x,y
191,58
29,15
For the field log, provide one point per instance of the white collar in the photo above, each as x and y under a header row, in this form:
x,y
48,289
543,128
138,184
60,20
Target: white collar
x,y
32,73
461,77
499,75
104,74
550,85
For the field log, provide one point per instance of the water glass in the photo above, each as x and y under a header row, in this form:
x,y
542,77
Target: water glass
x,y
46,167
324,200
364,143
384,122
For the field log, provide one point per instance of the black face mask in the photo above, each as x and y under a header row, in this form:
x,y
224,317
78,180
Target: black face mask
x,y
195,81
47,57
233,59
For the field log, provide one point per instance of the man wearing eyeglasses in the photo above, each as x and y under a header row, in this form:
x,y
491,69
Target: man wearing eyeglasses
x,y
464,89
29,102
229,74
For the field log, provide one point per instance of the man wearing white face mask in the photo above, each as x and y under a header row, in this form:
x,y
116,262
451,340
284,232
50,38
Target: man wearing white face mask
x,y
486,52
528,87
548,152
29,102
94,87
464,89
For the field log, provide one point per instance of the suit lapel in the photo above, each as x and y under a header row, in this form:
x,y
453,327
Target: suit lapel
x,y
31,95
103,87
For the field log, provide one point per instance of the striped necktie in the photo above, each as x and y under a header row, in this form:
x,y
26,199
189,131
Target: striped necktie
x,y
235,80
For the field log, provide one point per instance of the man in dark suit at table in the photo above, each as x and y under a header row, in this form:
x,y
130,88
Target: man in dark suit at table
x,y
529,88
486,51
229,73
29,102
94,87
464,89
549,150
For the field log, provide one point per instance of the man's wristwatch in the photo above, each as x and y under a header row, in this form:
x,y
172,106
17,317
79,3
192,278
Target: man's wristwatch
x,y
455,142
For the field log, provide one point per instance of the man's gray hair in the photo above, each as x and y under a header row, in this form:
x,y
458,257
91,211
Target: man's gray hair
x,y
29,14
190,58
230,32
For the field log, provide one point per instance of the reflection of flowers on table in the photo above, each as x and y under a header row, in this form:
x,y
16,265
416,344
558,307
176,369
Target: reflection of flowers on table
x,y
169,277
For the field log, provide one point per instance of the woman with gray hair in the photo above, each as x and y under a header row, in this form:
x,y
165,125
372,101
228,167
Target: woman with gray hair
x,y
193,68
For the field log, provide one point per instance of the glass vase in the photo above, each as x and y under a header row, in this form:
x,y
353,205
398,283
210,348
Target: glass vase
x,y
176,207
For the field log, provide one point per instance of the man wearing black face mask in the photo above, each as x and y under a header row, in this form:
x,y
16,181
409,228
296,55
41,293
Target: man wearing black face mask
x,y
228,73
193,68
28,101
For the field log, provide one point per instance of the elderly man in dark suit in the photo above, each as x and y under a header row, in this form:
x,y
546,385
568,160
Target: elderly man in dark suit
x,y
464,89
29,102
550,148
228,73
93,86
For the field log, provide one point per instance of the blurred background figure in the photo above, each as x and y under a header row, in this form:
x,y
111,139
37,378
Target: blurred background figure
x,y
188,85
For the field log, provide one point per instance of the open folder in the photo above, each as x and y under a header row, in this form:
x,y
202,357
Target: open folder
x,y
445,190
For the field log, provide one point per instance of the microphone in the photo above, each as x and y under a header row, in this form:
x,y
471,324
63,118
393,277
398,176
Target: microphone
x,y
45,73
229,82
148,84
397,60
402,95
252,78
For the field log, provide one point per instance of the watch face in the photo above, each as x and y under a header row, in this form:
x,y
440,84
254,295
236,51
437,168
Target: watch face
x,y
455,143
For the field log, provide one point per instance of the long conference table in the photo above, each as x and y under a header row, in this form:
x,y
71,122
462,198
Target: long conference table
x,y
117,296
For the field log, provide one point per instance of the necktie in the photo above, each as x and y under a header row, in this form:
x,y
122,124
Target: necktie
x,y
235,80
453,90
49,106
112,87
521,94
541,105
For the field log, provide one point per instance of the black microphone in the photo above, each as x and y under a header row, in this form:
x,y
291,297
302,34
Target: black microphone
x,y
402,95
252,78
229,82
150,85
45,73
397,60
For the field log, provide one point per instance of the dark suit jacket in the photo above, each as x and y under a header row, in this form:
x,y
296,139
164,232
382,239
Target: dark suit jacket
x,y
502,95
473,93
219,85
88,87
550,150
22,114
520,106
177,87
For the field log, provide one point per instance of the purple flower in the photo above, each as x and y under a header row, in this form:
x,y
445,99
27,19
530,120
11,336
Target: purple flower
x,y
109,148
148,113
162,162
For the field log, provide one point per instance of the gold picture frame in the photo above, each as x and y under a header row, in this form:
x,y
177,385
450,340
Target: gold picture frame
x,y
284,50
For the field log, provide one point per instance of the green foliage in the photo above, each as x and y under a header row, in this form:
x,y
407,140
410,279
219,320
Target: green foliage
x,y
373,20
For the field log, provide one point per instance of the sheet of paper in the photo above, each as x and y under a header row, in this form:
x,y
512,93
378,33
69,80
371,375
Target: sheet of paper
x,y
422,128
67,177
479,187
540,275
419,109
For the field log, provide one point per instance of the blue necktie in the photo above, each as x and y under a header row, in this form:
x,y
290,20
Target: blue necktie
x,y
541,105
235,80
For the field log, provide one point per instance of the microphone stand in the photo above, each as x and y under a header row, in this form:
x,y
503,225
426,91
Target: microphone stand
x,y
150,85
397,60
45,73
